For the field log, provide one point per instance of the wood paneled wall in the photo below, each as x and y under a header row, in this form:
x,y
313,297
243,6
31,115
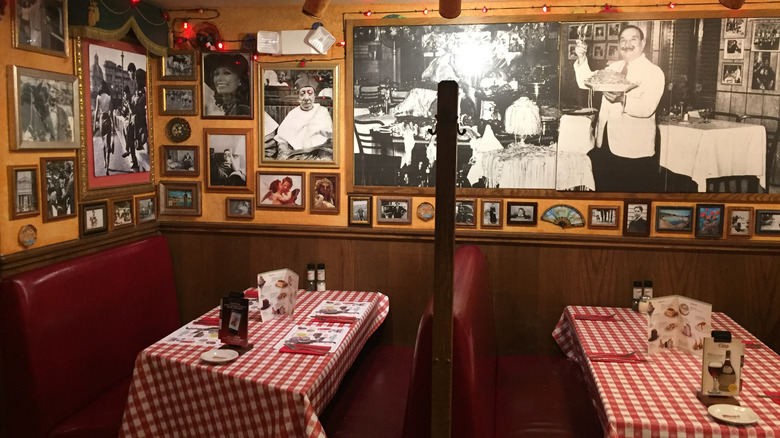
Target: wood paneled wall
x,y
533,276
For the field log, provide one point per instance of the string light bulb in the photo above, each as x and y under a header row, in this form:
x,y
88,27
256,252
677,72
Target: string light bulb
x,y
186,25
672,5
254,57
484,9
545,9
425,11
342,43
303,63
220,45
368,13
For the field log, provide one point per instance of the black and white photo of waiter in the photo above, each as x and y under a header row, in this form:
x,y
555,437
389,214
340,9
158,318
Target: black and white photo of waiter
x,y
624,158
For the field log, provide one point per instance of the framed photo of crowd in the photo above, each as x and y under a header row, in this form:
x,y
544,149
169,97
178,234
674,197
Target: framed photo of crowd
x,y
300,121
179,65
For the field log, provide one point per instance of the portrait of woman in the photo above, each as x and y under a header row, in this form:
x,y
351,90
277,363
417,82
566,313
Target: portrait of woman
x,y
227,85
325,192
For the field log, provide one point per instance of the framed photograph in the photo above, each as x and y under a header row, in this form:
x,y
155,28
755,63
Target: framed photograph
x,y
325,188
613,31
521,213
179,198
179,65
229,150
121,213
764,75
116,157
571,51
94,218
673,219
735,49
731,74
281,190
393,210
613,51
41,26
23,191
636,219
58,187
226,84
600,51
466,213
766,35
735,28
600,32
300,111
180,160
709,220
44,110
240,208
740,221
491,213
767,221
604,216
146,208
178,100
360,210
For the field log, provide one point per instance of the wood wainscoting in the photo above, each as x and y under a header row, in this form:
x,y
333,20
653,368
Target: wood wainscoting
x,y
534,276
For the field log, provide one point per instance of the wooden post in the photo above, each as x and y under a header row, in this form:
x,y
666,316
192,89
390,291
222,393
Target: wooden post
x,y
444,250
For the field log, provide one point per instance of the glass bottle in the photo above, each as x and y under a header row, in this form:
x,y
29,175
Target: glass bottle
x,y
321,277
727,376
648,288
637,294
311,284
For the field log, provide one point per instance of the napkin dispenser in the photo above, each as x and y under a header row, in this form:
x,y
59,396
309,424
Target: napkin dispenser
x,y
722,359
234,319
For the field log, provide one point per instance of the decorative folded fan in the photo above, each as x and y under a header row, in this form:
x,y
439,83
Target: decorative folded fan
x,y
564,216
609,80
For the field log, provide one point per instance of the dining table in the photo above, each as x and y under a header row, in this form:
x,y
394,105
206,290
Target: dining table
x,y
264,392
656,395
704,149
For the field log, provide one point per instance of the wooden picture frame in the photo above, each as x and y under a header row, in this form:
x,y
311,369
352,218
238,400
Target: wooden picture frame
x,y
58,188
767,222
108,166
739,222
94,218
179,198
325,193
179,65
709,221
604,217
228,152
393,210
284,138
522,213
282,190
466,213
232,97
146,209
636,217
121,214
178,100
23,193
673,219
29,129
180,160
240,208
41,27
492,212
360,211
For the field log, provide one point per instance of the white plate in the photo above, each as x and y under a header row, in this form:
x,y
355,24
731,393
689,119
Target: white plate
x,y
733,414
218,355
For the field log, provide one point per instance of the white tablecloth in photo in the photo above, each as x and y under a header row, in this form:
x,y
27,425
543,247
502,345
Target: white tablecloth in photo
x,y
715,149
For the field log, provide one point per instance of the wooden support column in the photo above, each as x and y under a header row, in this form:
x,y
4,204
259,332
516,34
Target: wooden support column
x,y
444,250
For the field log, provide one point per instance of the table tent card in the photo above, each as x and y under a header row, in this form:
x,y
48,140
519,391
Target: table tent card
x,y
277,292
721,367
234,319
679,323
318,336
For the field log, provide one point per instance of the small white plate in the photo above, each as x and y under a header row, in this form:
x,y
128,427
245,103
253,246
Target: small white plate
x,y
218,355
733,414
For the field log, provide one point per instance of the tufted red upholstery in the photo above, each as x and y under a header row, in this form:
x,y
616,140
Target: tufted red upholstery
x,y
70,333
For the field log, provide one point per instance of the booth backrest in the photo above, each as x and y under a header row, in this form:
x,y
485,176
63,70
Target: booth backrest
x,y
72,330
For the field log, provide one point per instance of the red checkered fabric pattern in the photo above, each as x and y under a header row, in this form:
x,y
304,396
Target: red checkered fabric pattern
x,y
658,398
263,393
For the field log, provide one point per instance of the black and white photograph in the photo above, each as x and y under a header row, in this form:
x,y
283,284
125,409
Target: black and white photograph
x,y
179,65
181,160
45,110
613,31
41,26
359,210
604,216
521,213
228,154
325,189
178,100
600,51
673,219
146,208
281,190
393,210
239,208
600,32
23,191
122,213
491,213
226,85
118,116
735,28
739,221
732,74
766,35
764,71
767,222
58,188
735,48
94,218
466,213
613,51
636,220
299,114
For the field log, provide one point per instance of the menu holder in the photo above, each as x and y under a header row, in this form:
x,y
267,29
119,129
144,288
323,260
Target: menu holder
x,y
277,293
721,365
234,319
709,400
679,323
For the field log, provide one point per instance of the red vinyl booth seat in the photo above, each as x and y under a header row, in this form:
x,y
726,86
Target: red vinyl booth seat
x,y
71,332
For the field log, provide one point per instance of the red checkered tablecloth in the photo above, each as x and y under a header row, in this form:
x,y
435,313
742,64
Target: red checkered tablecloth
x,y
658,398
263,393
